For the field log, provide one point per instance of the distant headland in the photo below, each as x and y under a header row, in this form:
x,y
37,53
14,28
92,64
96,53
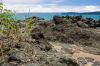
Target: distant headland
x,y
84,13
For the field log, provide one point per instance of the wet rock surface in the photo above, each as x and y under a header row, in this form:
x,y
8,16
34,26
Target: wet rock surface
x,y
96,63
82,60
89,59
69,60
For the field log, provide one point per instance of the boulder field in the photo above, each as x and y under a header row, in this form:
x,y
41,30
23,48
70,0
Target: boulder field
x,y
62,41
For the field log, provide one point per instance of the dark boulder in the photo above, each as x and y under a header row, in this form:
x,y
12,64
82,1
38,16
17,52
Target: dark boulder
x,y
33,17
96,63
74,18
44,24
82,60
39,18
67,17
89,59
18,21
63,17
78,18
97,23
43,45
37,33
82,24
89,19
69,60
58,20
92,24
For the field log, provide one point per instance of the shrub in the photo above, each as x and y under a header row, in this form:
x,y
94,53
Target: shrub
x,y
27,30
5,18
65,19
9,25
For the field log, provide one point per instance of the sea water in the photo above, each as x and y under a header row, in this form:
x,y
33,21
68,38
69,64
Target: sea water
x,y
49,16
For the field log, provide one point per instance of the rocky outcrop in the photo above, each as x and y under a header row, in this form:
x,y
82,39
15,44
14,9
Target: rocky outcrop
x,y
75,29
87,21
75,32
58,20
38,53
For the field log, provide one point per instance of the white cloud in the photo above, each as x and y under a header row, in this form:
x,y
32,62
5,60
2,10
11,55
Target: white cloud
x,y
92,8
51,8
39,6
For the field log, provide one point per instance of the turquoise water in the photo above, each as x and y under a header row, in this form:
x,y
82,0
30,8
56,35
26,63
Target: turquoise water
x,y
48,16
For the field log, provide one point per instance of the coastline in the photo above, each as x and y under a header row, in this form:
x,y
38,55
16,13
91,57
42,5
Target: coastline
x,y
49,16
61,41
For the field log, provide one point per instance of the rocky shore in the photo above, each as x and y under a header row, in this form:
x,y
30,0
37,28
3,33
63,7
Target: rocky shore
x,y
62,41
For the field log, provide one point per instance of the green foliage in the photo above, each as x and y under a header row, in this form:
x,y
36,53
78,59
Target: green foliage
x,y
6,20
16,25
10,25
27,31
65,19
1,30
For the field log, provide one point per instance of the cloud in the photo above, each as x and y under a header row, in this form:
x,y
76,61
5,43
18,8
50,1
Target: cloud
x,y
92,8
51,8
45,6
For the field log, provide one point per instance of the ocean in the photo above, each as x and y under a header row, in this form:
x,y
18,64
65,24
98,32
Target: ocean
x,y
49,16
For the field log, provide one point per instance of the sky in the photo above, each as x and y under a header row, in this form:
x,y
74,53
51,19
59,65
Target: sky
x,y
52,5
